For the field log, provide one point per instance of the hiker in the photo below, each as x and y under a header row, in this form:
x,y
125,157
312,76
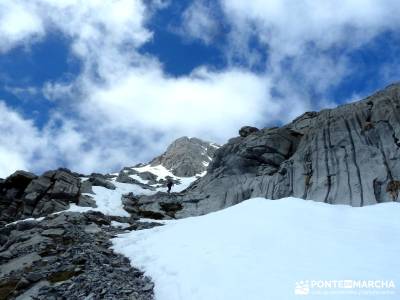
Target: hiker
x,y
170,183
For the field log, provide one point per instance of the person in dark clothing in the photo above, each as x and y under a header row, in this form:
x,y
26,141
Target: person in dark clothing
x,y
170,183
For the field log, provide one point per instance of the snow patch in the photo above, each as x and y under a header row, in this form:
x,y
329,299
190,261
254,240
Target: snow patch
x,y
119,224
161,172
109,201
25,220
139,179
260,248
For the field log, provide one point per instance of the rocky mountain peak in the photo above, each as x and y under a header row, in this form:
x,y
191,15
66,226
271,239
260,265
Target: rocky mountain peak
x,y
186,157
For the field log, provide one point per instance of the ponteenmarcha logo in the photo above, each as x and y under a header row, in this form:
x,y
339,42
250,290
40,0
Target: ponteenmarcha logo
x,y
360,287
302,288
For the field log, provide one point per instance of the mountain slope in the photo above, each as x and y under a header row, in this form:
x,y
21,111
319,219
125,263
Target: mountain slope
x,y
55,229
260,249
346,155
24,195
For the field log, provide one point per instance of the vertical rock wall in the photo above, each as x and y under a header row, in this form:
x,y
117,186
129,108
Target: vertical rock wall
x,y
347,155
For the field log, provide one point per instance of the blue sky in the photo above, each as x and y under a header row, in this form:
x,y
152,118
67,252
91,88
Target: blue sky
x,y
97,85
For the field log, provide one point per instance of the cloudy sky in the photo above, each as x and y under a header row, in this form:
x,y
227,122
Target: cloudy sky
x,y
94,85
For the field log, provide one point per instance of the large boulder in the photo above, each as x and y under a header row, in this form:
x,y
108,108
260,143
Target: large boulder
x,y
25,195
101,180
66,185
247,130
19,180
148,176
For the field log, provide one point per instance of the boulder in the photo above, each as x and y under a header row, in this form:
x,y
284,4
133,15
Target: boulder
x,y
19,180
247,130
133,206
26,195
39,185
66,185
86,201
125,178
152,178
100,180
86,187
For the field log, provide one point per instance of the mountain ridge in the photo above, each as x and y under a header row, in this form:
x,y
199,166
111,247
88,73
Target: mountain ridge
x,y
345,155
56,229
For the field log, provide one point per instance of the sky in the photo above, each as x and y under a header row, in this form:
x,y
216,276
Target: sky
x,y
94,85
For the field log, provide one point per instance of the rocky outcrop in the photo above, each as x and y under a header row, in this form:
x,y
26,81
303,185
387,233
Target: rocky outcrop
x,y
24,195
136,208
68,256
97,179
247,130
347,155
186,157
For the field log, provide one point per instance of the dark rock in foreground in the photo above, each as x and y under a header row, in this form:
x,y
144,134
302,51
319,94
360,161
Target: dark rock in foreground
x,y
24,195
68,256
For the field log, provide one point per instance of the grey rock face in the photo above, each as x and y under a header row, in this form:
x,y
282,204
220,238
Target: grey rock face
x,y
25,195
347,155
186,157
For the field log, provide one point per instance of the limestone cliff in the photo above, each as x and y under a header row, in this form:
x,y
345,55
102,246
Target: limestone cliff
x,y
346,155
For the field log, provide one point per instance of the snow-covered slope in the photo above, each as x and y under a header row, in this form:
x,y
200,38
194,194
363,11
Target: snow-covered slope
x,y
263,249
109,202
162,172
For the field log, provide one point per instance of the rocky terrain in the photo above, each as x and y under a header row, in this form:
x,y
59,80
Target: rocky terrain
x,y
55,228
346,155
68,256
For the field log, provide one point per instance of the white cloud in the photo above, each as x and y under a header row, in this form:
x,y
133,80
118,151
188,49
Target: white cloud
x,y
290,25
18,24
123,108
90,23
206,103
18,141
309,39
199,22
